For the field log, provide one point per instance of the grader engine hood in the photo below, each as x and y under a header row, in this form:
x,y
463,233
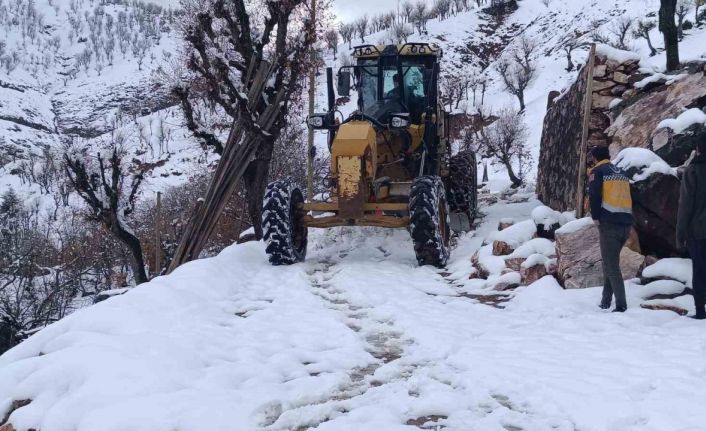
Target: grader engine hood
x,y
353,162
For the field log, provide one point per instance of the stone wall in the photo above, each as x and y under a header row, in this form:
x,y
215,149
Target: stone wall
x,y
560,146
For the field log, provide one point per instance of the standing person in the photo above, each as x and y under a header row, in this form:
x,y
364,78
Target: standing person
x,y
691,223
611,210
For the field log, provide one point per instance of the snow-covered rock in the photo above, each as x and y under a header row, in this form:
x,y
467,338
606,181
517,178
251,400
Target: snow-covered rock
x,y
685,120
671,268
641,163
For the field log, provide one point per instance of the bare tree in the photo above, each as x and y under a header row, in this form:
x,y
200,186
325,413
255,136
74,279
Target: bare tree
x,y
569,43
642,30
361,26
621,30
683,7
347,31
407,10
518,72
109,200
697,6
505,140
270,63
421,15
668,28
400,31
331,38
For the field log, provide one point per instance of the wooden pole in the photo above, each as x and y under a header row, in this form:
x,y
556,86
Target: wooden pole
x,y
312,96
583,148
158,236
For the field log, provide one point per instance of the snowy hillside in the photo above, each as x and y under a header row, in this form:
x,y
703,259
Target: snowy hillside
x,y
474,42
357,338
81,73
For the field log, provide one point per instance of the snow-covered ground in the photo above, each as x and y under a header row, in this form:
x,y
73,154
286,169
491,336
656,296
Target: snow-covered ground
x,y
357,338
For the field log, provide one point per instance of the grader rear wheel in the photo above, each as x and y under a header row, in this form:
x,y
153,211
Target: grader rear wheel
x,y
429,221
463,190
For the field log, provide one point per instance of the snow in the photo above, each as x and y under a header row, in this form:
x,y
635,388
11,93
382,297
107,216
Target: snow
x,y
541,246
575,225
685,120
356,338
537,259
674,268
656,77
619,55
516,234
645,161
546,216
615,102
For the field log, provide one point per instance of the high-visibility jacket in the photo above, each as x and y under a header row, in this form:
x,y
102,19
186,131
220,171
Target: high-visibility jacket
x,y
609,193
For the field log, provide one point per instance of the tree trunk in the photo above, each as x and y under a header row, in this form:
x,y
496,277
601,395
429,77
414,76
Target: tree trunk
x,y
570,64
521,98
516,182
137,261
653,51
669,30
255,179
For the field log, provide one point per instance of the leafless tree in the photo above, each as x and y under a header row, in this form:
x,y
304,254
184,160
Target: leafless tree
x,y
347,31
361,26
331,38
669,30
683,8
697,6
251,74
407,10
505,141
621,30
642,30
518,71
569,43
400,31
110,200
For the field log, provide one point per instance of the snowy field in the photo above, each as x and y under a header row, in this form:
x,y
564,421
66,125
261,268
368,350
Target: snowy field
x,y
357,338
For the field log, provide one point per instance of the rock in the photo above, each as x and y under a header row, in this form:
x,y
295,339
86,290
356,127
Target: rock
x,y
514,263
7,427
620,78
599,71
630,92
618,90
602,102
579,259
501,248
532,274
246,238
655,204
677,149
634,242
552,268
551,97
602,85
505,286
635,124
680,311
547,232
505,223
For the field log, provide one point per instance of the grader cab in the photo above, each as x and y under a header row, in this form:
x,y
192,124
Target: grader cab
x,y
391,163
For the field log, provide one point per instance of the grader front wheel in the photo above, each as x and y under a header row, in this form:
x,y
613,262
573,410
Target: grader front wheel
x,y
283,223
429,221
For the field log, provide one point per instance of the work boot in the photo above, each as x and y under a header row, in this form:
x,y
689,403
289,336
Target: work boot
x,y
700,315
604,306
619,309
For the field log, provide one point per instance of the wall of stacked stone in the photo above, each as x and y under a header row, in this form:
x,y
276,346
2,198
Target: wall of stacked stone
x,y
560,146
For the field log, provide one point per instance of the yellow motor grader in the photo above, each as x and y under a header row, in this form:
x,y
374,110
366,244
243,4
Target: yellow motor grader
x,y
391,163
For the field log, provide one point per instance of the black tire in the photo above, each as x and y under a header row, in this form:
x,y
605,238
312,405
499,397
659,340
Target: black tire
x,y
463,185
429,221
283,223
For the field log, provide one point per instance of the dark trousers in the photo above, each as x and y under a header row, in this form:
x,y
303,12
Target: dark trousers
x,y
697,250
613,238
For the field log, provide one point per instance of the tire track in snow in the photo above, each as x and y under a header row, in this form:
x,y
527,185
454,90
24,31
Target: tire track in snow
x,y
383,341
